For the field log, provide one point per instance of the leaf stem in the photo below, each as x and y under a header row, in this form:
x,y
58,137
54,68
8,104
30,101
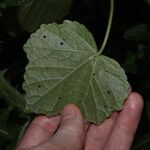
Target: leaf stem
x,y
108,27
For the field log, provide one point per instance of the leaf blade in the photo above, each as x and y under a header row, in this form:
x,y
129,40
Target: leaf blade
x,y
69,76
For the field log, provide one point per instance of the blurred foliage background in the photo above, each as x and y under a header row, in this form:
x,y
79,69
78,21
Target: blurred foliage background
x,y
129,44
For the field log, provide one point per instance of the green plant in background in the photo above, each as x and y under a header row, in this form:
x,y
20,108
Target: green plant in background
x,y
140,35
30,18
30,14
9,3
10,94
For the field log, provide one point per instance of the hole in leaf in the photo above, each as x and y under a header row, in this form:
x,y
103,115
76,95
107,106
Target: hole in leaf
x,y
61,43
108,92
39,86
44,36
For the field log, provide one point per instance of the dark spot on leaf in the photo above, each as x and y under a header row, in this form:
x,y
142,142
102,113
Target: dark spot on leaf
x,y
44,36
59,98
64,40
93,74
108,92
104,106
61,43
39,86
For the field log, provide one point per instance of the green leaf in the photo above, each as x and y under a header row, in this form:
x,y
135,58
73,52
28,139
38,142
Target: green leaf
x,y
138,33
10,94
64,67
9,3
130,62
33,13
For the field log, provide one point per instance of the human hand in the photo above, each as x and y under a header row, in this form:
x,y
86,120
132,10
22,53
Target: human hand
x,y
68,131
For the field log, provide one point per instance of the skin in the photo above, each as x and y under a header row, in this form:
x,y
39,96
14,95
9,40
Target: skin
x,y
69,132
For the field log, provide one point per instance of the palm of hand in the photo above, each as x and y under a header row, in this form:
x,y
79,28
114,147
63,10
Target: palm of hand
x,y
68,131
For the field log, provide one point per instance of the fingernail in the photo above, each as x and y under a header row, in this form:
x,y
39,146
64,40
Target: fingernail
x,y
135,101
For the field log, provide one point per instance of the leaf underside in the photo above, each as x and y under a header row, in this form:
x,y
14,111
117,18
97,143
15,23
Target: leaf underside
x,y
64,67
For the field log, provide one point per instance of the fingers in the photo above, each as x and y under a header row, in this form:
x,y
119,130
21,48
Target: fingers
x,y
39,131
97,135
126,124
87,125
118,131
70,135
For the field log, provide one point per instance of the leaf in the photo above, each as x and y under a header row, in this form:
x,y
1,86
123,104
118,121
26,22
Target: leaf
x,y
8,128
64,67
33,13
10,94
9,3
138,33
11,124
130,62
